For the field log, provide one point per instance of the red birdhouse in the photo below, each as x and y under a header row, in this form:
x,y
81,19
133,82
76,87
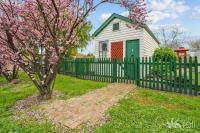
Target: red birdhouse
x,y
181,52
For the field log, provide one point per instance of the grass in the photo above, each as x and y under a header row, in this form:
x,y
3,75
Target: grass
x,y
73,86
140,112
10,93
149,111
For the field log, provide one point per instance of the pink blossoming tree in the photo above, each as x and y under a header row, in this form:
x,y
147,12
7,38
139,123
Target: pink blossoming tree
x,y
7,68
36,34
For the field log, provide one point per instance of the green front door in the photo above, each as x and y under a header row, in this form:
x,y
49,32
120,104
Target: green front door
x,y
132,52
132,49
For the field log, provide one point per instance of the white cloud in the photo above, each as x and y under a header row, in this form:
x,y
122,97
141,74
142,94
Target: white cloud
x,y
179,6
175,5
105,16
156,16
196,13
156,28
162,9
171,26
159,5
153,27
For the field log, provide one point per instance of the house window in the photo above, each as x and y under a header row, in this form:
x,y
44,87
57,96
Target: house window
x,y
115,26
103,49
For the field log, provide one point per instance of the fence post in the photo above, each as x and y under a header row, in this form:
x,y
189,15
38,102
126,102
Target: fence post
x,y
87,67
143,72
196,77
190,75
114,70
175,74
150,73
180,75
185,75
76,67
154,75
170,74
65,67
138,71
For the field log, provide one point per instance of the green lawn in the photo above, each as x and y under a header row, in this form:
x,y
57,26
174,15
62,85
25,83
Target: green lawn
x,y
73,86
149,111
141,111
10,93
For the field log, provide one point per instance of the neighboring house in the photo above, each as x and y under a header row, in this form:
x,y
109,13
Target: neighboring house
x,y
114,39
194,52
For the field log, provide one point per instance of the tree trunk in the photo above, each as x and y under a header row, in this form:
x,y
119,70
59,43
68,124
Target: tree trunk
x,y
7,76
45,92
15,72
11,76
46,87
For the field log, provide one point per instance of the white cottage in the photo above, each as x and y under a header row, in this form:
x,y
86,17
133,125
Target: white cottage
x,y
113,39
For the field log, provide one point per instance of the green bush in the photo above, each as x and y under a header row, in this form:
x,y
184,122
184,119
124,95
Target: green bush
x,y
164,54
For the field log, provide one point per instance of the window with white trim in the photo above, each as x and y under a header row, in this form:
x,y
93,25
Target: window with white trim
x,y
103,49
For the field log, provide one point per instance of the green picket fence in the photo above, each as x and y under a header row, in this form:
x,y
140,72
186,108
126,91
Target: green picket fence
x,y
180,76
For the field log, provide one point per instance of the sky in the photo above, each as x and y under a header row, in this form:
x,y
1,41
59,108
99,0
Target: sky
x,y
182,13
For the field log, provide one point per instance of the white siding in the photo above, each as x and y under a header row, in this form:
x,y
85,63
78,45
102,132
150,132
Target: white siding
x,y
124,33
149,44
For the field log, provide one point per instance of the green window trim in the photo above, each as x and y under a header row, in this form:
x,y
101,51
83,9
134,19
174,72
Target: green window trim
x,y
115,26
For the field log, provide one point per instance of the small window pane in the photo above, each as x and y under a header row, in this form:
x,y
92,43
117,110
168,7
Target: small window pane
x,y
103,47
116,26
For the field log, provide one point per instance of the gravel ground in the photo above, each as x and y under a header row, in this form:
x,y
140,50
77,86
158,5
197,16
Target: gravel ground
x,y
79,113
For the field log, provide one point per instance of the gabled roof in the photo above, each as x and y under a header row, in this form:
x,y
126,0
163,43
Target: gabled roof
x,y
126,19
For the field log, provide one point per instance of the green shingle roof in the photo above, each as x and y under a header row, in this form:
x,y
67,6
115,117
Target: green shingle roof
x,y
126,19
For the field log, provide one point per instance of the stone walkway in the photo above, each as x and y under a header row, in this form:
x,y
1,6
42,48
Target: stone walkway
x,y
89,107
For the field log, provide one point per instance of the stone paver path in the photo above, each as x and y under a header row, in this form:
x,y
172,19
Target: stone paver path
x,y
89,107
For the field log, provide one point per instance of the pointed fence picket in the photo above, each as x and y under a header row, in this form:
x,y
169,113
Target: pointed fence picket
x,y
181,76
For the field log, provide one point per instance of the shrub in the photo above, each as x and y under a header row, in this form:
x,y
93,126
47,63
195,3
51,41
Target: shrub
x,y
164,54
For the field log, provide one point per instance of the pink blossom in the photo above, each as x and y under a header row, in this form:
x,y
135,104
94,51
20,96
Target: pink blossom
x,y
39,32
